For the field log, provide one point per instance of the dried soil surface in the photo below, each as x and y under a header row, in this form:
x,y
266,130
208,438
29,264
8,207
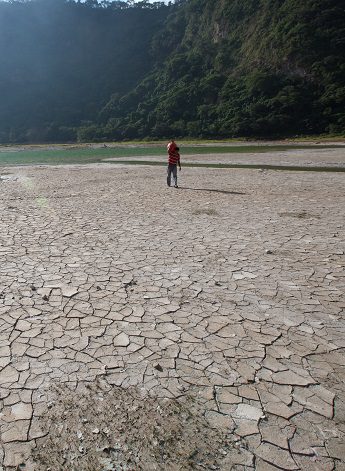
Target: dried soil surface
x,y
145,327
299,157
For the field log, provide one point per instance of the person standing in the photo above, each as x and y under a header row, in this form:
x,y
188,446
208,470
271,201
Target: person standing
x,y
173,161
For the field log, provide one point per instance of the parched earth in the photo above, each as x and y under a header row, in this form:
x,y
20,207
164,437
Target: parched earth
x,y
316,157
152,328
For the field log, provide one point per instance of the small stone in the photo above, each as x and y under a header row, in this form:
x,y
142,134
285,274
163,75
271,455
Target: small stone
x,y
121,340
246,411
268,251
95,431
68,291
157,367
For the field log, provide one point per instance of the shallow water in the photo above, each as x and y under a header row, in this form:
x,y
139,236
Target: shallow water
x,y
64,156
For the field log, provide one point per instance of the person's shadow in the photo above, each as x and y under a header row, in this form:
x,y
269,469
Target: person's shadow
x,y
212,190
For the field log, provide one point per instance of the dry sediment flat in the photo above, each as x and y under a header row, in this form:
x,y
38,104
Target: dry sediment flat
x,y
300,157
228,292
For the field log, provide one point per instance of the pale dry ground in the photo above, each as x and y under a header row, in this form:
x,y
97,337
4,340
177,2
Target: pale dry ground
x,y
299,157
227,293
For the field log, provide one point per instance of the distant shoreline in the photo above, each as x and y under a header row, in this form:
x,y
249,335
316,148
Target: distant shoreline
x,y
313,140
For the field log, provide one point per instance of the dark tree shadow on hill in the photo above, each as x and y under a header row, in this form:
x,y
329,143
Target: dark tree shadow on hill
x,y
212,190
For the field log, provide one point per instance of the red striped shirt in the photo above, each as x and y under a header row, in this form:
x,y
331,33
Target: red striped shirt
x,y
174,158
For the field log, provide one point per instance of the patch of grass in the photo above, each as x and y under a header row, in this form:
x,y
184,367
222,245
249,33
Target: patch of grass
x,y
290,168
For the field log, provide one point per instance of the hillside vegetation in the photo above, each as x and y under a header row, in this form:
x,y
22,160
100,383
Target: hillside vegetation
x,y
199,68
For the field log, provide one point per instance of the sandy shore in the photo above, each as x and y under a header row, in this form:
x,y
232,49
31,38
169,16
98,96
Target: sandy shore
x,y
301,157
227,292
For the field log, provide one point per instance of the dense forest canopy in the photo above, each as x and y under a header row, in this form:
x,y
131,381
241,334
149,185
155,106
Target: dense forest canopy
x,y
199,68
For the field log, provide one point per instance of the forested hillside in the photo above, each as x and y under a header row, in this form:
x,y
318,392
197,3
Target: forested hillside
x,y
198,68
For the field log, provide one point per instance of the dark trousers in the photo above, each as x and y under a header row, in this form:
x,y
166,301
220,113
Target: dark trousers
x,y
172,169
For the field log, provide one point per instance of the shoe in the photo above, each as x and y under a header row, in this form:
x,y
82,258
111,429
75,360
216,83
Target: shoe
x,y
175,186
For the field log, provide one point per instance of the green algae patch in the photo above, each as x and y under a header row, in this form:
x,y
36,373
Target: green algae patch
x,y
62,155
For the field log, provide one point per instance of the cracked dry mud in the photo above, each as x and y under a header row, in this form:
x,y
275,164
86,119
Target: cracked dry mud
x,y
151,328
